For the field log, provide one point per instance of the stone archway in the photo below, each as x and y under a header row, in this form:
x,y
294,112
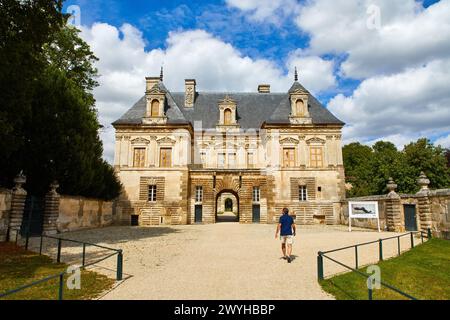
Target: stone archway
x,y
224,199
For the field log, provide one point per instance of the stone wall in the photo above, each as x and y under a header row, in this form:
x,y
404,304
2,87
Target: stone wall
x,y
5,208
77,213
432,209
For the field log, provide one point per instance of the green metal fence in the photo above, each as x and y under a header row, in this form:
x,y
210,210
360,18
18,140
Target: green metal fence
x,y
60,241
321,255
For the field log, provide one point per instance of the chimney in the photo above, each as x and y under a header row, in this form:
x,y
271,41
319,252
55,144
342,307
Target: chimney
x,y
264,88
190,92
151,82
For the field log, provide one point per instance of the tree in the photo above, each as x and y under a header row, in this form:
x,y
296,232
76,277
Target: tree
x,y
25,26
424,156
368,169
52,126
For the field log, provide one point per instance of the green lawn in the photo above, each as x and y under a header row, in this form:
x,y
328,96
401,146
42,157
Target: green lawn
x,y
423,272
19,267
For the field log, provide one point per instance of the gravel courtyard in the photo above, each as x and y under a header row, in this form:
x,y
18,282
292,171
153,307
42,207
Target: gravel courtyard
x,y
221,261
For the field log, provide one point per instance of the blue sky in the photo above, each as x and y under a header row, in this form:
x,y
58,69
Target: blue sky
x,y
341,60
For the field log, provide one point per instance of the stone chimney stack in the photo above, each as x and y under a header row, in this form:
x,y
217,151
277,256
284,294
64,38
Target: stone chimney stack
x,y
190,92
264,88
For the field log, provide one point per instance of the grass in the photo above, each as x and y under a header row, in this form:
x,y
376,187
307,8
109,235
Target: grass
x,y
19,267
423,272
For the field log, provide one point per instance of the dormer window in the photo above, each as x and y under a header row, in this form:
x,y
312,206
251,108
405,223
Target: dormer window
x,y
155,108
227,117
300,108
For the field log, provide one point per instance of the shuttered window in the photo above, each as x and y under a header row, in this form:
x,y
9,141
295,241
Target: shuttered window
x,y
165,159
139,158
316,157
289,157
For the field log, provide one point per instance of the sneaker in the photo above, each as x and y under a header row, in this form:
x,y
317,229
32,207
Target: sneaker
x,y
289,260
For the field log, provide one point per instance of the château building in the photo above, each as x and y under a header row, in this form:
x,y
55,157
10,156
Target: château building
x,y
184,157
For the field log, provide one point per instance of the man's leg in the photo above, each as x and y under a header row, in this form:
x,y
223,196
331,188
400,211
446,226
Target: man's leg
x,y
289,250
283,248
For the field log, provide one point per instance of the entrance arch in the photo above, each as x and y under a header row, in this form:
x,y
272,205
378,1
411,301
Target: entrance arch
x,y
222,214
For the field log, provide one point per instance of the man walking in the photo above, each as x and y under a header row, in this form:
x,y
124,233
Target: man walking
x,y
287,230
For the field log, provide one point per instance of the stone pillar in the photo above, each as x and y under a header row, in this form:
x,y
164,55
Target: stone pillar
x,y
19,196
51,212
424,203
393,209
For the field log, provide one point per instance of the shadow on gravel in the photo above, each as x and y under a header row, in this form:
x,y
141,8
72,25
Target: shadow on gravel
x,y
109,237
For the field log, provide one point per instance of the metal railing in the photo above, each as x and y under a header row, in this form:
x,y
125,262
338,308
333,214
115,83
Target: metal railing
x,y
84,265
321,255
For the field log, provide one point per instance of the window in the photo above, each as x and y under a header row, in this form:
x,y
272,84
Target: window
x,y
139,158
316,157
165,158
289,157
256,194
250,160
203,157
155,108
199,194
221,160
302,193
227,117
300,108
152,193
232,159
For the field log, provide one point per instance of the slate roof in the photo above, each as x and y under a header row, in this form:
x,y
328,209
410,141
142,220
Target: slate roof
x,y
253,109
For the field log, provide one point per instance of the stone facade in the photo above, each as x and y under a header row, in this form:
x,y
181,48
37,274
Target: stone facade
x,y
269,151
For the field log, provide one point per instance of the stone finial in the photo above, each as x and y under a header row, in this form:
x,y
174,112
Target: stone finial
x,y
296,75
19,181
161,76
53,187
391,185
423,181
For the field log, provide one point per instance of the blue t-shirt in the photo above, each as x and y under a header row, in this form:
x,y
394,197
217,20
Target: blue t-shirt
x,y
286,222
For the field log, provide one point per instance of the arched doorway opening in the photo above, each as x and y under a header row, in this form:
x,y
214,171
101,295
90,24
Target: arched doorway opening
x,y
227,206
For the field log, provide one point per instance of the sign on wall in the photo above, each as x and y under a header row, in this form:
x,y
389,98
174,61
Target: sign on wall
x,y
363,210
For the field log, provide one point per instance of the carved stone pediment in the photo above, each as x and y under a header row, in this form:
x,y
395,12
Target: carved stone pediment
x,y
166,140
289,140
140,141
315,140
227,101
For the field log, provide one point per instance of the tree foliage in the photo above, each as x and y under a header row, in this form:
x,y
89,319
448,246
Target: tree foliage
x,y
369,168
48,121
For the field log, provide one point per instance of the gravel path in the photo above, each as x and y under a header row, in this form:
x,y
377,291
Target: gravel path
x,y
221,261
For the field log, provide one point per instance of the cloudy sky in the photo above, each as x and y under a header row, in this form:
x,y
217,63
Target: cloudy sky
x,y
382,66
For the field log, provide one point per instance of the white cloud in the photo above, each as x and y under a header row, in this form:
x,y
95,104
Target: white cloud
x,y
409,35
217,66
444,141
273,11
401,107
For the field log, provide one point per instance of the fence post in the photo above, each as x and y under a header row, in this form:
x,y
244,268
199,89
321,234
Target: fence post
x,y
381,249
27,240
356,258
40,246
370,294
430,234
320,266
61,286
119,265
412,240
399,248
84,254
58,256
